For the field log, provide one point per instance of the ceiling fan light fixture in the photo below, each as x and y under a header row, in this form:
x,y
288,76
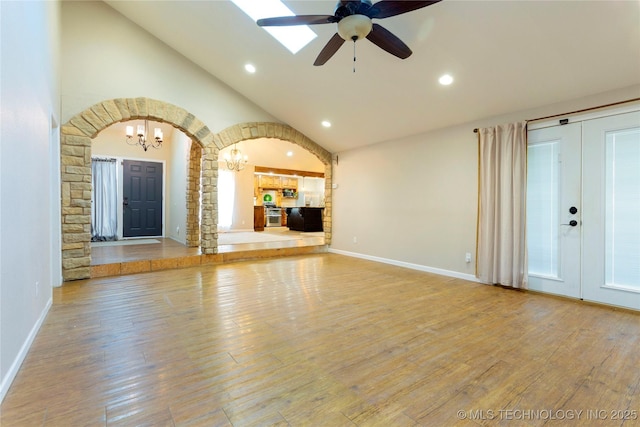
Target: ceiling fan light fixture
x,y
354,27
354,23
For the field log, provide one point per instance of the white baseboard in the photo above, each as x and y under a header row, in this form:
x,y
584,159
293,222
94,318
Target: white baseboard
x,y
418,267
22,354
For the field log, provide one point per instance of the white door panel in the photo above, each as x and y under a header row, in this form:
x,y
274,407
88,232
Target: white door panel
x,y
553,188
611,232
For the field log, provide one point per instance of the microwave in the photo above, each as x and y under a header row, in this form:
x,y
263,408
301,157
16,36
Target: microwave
x,y
288,192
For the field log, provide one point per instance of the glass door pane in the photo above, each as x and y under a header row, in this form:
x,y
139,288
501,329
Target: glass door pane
x,y
622,212
611,232
542,209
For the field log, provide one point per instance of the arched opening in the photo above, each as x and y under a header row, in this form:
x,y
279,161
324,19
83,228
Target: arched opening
x,y
76,137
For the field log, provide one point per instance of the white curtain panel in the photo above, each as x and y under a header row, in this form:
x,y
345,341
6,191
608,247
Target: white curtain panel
x,y
502,248
104,199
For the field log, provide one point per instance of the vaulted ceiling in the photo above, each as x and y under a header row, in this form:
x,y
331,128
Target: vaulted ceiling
x,y
504,56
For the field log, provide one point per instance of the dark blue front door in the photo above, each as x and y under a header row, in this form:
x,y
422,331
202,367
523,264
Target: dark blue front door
x,y
142,199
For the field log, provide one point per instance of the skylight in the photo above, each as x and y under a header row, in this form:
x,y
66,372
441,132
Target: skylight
x,y
293,38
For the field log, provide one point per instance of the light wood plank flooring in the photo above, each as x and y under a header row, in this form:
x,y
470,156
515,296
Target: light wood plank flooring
x,y
322,340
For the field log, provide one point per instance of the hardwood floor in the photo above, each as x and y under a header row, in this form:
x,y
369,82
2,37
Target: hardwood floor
x,y
322,340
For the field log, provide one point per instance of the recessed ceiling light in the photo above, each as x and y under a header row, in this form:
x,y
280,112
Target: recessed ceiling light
x,y
250,68
293,38
445,80
289,153
326,123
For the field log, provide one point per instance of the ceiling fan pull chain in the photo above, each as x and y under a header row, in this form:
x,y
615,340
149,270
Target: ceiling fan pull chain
x,y
354,53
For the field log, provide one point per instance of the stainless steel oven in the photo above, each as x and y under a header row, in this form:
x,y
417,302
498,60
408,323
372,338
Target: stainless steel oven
x,y
274,217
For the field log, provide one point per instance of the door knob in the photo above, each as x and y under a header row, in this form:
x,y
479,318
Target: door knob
x,y
125,201
572,223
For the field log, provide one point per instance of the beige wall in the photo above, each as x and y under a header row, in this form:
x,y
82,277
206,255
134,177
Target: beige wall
x,y
105,56
30,262
413,201
176,206
243,200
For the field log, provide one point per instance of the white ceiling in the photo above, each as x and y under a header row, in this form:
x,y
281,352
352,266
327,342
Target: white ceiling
x,y
505,56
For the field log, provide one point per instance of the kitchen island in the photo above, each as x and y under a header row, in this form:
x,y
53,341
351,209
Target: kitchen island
x,y
305,218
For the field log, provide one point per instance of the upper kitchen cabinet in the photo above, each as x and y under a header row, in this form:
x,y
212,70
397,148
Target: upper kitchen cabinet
x,y
269,181
276,182
289,182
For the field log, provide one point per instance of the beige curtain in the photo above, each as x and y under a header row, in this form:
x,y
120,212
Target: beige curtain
x,y
502,249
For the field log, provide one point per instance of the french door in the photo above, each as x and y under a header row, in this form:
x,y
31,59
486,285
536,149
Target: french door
x,y
583,209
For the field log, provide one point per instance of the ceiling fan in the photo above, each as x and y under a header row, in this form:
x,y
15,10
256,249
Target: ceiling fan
x,y
354,23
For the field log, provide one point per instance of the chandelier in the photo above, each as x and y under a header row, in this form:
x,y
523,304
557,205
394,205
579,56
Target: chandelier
x,y
235,160
143,131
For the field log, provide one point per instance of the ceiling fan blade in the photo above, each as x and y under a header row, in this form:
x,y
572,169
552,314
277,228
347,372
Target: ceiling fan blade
x,y
384,39
329,49
296,20
387,8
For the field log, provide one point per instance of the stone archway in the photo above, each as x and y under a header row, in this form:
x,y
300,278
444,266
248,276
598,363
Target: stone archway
x,y
254,130
75,157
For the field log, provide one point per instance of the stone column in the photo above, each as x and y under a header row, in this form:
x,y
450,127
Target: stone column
x,y
328,196
209,225
75,157
193,196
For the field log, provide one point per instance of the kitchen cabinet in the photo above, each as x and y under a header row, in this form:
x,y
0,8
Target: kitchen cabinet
x,y
269,181
288,182
305,219
258,218
276,182
283,221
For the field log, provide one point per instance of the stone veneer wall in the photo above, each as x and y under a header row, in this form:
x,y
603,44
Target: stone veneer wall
x,y
75,148
193,196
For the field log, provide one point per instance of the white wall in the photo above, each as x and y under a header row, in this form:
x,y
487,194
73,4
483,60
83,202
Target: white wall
x,y
29,201
414,200
243,209
106,56
243,198
177,204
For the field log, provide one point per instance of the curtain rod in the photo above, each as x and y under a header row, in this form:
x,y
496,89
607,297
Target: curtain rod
x,y
578,111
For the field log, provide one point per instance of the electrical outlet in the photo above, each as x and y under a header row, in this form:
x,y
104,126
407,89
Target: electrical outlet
x,y
355,239
37,288
178,230
467,257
